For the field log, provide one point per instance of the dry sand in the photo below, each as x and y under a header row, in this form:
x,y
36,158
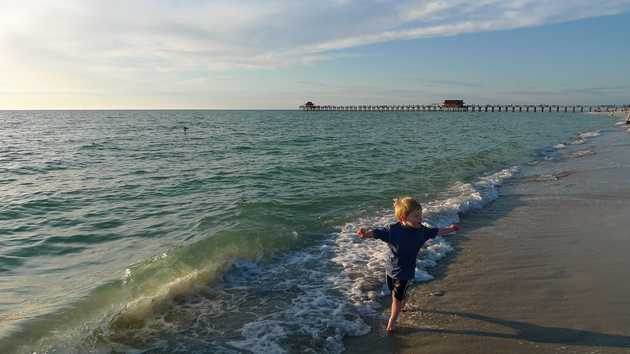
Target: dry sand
x,y
544,269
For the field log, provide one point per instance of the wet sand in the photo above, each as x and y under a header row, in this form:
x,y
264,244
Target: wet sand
x,y
544,269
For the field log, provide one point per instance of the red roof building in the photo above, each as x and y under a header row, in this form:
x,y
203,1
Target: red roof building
x,y
453,104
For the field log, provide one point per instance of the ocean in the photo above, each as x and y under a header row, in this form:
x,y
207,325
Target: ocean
x,y
124,232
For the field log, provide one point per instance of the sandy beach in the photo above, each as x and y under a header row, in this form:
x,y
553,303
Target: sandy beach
x,y
541,270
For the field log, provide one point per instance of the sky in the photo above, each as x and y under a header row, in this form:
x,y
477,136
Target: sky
x,y
277,54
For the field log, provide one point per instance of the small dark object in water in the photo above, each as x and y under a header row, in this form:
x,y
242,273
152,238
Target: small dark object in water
x,y
185,130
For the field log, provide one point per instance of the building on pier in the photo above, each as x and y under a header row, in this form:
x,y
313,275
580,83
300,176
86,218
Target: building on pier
x,y
457,104
309,106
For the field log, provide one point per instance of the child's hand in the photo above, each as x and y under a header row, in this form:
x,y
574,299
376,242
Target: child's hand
x,y
363,233
448,230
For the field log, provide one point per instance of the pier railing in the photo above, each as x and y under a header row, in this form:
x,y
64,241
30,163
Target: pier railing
x,y
469,108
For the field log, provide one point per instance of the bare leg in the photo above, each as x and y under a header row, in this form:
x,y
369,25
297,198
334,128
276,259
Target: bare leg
x,y
397,306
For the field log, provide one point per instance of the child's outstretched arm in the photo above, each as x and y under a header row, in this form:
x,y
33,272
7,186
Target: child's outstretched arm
x,y
448,230
365,233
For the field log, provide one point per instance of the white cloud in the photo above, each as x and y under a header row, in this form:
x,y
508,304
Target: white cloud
x,y
256,33
148,42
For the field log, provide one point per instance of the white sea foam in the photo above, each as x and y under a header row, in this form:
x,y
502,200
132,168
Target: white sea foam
x,y
581,138
315,310
589,134
581,153
260,337
578,141
559,146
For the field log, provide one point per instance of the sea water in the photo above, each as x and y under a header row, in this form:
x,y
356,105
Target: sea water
x,y
232,231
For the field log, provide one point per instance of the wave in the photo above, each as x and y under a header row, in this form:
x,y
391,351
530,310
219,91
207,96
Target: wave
x,y
144,291
590,134
583,137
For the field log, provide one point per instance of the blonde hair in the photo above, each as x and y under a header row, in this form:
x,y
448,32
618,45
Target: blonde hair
x,y
405,205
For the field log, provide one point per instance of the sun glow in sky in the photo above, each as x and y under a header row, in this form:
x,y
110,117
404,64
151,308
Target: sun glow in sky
x,y
88,54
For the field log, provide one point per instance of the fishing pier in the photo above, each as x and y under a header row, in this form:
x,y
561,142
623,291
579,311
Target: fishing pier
x,y
459,106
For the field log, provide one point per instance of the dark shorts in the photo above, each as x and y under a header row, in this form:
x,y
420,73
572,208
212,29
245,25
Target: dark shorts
x,y
397,287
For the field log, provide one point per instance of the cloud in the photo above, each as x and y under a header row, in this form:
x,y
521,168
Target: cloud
x,y
227,34
73,44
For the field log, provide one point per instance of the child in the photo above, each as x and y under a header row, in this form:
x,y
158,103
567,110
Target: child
x,y
404,238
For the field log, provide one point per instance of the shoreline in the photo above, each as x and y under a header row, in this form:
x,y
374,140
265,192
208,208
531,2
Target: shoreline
x,y
537,271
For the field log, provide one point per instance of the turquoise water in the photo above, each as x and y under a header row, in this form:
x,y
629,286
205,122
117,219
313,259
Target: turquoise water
x,y
119,230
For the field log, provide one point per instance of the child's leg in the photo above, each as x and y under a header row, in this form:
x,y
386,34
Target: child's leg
x,y
398,288
397,306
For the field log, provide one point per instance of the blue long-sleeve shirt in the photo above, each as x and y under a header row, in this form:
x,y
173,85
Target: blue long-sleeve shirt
x,y
404,244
